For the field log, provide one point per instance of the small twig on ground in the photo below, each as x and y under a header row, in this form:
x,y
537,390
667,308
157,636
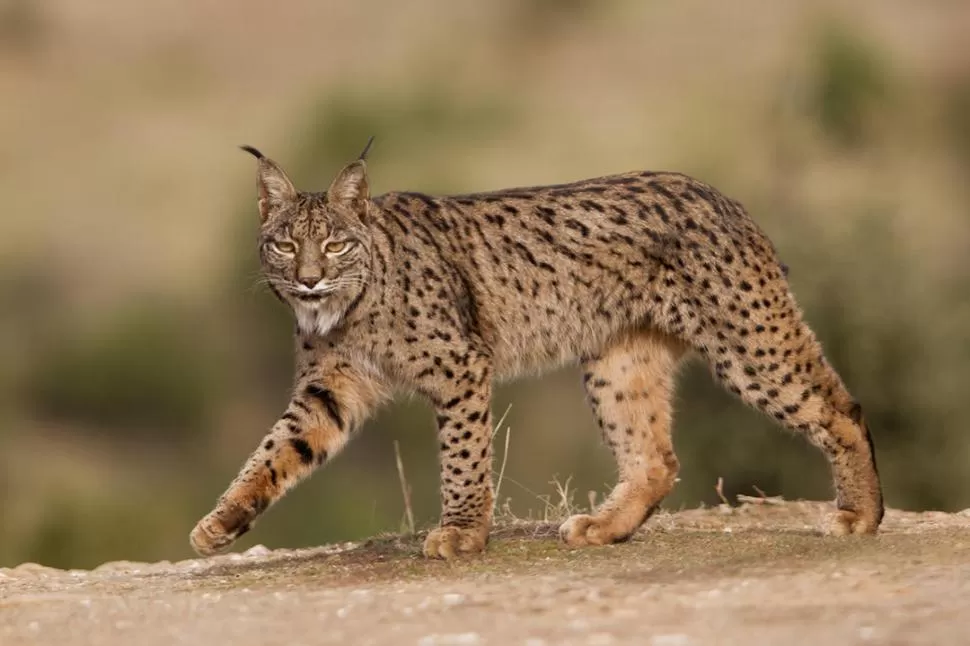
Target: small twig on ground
x,y
719,488
762,500
405,488
592,501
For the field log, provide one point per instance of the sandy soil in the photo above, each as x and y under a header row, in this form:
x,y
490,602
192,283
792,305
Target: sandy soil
x,y
757,574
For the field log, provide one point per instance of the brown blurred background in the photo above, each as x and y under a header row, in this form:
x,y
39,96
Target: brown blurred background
x,y
139,365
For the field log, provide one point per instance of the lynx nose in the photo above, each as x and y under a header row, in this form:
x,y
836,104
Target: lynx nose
x,y
308,277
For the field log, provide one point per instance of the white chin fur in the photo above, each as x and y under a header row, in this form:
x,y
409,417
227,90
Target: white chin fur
x,y
314,319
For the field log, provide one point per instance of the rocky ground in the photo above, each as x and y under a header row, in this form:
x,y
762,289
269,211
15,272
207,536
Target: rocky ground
x,y
755,574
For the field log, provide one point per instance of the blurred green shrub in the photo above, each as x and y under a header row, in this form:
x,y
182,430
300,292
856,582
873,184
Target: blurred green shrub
x,y
414,124
851,84
83,530
147,367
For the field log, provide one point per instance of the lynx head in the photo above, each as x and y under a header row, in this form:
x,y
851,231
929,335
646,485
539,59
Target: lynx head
x,y
315,247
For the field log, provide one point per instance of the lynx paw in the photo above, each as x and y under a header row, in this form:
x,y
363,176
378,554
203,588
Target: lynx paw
x,y
581,530
845,522
218,531
449,542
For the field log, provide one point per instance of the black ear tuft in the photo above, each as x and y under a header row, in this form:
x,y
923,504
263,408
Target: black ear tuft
x,y
252,151
363,155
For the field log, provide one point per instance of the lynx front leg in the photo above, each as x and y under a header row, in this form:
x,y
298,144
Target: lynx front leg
x,y
327,406
465,445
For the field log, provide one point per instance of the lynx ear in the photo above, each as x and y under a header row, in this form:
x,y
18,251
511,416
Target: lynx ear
x,y
274,187
350,186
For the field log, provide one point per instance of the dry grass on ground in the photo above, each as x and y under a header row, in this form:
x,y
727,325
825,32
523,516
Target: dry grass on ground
x,y
754,574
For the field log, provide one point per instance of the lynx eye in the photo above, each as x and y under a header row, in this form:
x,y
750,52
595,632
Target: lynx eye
x,y
283,247
337,247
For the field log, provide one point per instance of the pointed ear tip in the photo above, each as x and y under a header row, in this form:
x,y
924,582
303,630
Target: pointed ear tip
x,y
252,151
363,154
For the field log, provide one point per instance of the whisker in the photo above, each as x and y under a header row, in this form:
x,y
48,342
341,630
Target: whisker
x,y
254,287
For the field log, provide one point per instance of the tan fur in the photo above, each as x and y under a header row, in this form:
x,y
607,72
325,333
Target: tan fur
x,y
444,295
630,388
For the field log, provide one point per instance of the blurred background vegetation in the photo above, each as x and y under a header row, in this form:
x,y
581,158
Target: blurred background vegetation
x,y
140,366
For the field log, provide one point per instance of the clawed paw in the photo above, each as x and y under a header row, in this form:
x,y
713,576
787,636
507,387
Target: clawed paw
x,y
449,542
216,532
581,530
846,522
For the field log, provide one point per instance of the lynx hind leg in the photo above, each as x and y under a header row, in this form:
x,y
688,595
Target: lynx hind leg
x,y
630,386
771,359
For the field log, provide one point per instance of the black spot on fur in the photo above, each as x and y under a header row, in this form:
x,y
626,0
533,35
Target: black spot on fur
x,y
303,450
855,413
325,397
451,403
